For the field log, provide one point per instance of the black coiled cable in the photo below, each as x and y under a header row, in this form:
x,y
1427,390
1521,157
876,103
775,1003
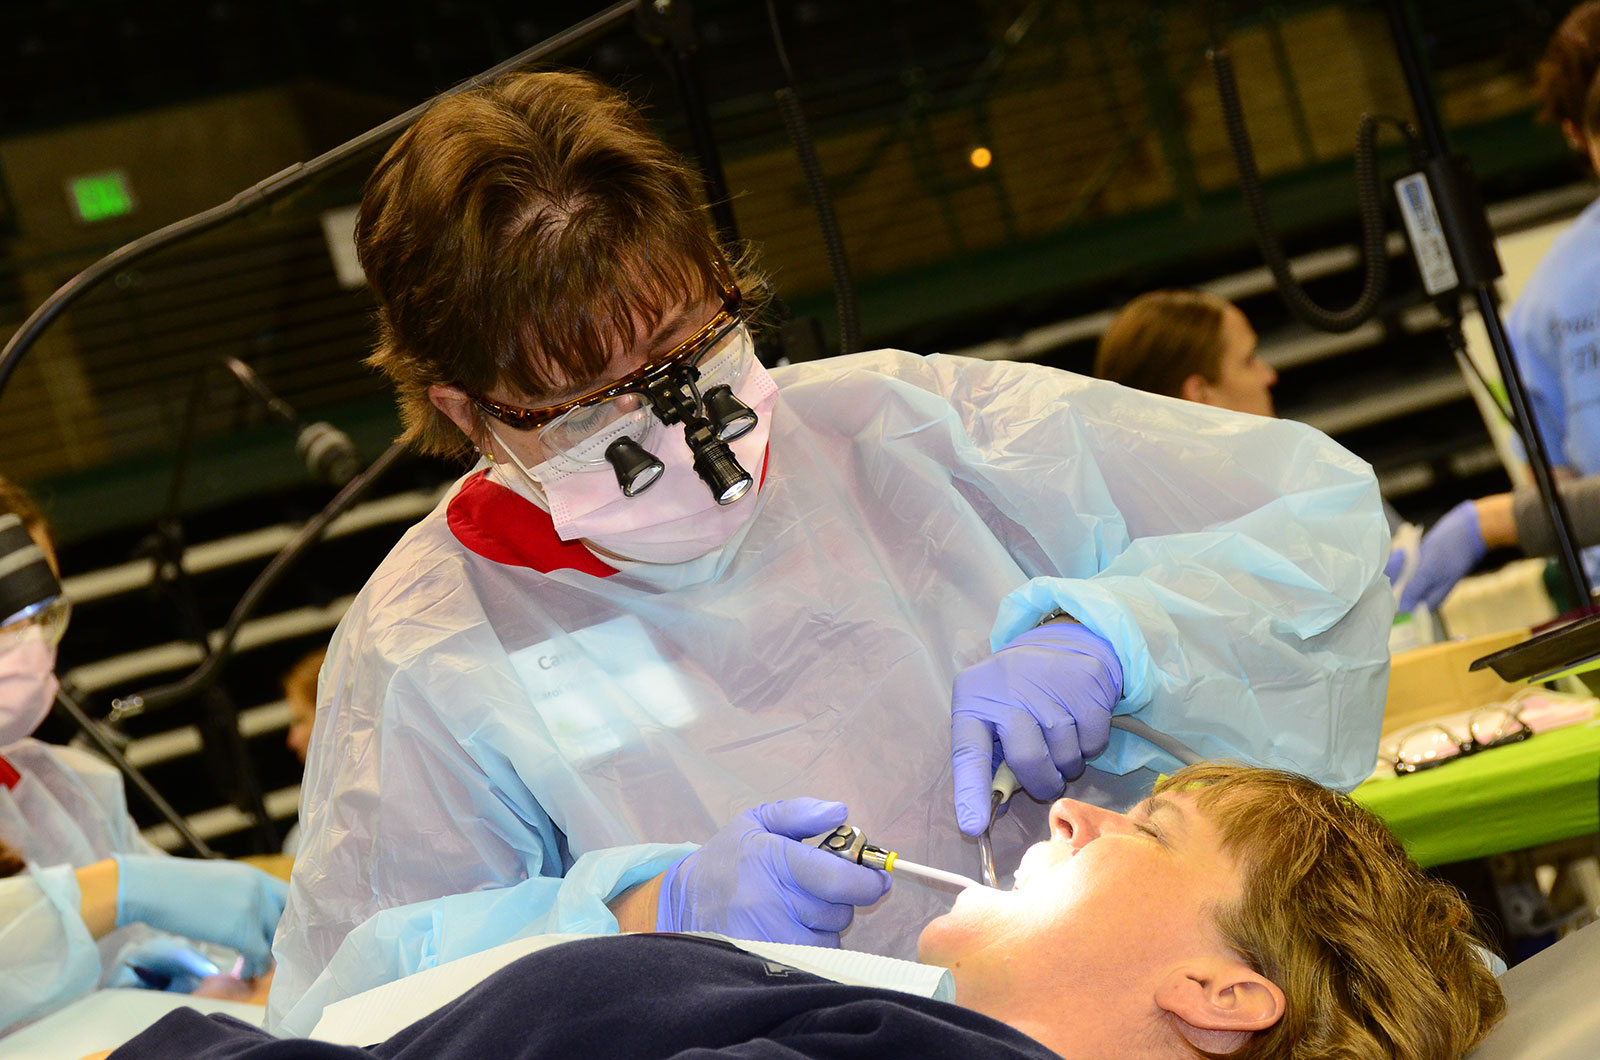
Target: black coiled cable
x,y
1369,199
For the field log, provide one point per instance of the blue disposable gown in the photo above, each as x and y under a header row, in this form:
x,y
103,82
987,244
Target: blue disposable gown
x,y
496,703
1554,328
65,810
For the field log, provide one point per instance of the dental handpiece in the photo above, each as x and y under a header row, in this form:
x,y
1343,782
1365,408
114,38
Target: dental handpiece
x,y
848,842
1005,786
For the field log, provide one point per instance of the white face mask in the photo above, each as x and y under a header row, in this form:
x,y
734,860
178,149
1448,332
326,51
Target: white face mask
x,y
676,519
27,686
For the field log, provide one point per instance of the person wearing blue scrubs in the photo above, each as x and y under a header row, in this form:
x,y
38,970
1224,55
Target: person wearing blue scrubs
x,y
1554,328
1554,325
677,584
96,904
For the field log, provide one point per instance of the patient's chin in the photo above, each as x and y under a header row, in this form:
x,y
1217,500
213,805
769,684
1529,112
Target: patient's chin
x,y
934,944
970,924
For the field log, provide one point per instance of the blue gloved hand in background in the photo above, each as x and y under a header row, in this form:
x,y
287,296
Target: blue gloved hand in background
x,y
1396,562
1042,703
167,964
225,902
1448,551
755,880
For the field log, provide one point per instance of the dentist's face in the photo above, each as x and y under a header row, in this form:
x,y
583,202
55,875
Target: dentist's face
x,y
1108,894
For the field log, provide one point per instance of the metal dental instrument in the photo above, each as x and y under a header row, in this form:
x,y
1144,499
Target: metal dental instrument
x,y
1005,786
850,843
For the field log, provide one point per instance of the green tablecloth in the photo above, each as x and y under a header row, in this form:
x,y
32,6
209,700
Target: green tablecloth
x,y
1507,798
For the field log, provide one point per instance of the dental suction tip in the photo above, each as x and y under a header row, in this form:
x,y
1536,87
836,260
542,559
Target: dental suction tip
x,y
900,864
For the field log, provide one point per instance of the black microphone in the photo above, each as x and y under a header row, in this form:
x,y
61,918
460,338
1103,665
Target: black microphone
x,y
329,453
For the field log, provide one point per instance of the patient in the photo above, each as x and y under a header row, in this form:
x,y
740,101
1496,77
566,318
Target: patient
x,y
1237,912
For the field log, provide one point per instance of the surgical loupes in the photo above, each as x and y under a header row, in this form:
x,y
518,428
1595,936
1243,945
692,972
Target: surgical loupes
x,y
1005,786
708,427
849,843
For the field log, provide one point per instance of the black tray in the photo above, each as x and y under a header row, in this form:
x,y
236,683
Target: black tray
x,y
1546,654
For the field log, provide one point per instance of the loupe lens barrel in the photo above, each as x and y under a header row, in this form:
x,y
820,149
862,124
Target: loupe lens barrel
x,y
731,417
636,467
717,467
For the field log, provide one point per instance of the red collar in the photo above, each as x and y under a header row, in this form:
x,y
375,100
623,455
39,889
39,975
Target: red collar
x,y
9,777
505,527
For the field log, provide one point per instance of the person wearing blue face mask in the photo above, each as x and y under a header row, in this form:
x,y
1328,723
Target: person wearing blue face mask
x,y
676,584
96,904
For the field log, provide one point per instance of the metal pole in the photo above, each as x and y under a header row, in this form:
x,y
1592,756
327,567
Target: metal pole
x,y
1409,50
668,26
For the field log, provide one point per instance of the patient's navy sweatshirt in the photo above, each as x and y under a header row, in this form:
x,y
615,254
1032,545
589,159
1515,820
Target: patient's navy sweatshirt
x,y
635,997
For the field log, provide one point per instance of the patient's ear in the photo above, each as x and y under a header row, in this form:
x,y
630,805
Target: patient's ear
x,y
1219,1002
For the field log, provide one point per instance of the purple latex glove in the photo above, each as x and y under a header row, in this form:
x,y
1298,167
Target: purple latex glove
x,y
1397,559
755,880
1448,552
1042,704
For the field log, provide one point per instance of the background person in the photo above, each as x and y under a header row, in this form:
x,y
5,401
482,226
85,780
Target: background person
x,y
300,692
1556,342
547,668
1239,912
1187,344
79,917
1552,323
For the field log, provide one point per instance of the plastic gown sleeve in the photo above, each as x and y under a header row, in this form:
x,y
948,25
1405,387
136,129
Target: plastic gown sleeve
x,y
47,957
1246,603
362,856
397,942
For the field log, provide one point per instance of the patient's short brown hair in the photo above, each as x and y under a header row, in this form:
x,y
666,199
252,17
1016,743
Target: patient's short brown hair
x,y
1376,960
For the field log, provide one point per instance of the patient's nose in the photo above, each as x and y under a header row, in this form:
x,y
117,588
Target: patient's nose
x,y
1080,823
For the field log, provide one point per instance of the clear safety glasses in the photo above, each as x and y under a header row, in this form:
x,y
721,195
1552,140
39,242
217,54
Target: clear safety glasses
x,y
46,620
1431,745
714,355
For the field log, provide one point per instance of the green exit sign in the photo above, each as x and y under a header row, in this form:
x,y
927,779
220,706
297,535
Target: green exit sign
x,y
100,196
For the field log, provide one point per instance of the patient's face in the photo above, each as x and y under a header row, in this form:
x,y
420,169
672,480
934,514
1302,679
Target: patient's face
x,y
1109,893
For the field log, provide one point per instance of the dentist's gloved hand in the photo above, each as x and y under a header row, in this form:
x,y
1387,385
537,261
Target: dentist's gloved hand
x,y
1448,551
168,958
225,902
1042,703
755,880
